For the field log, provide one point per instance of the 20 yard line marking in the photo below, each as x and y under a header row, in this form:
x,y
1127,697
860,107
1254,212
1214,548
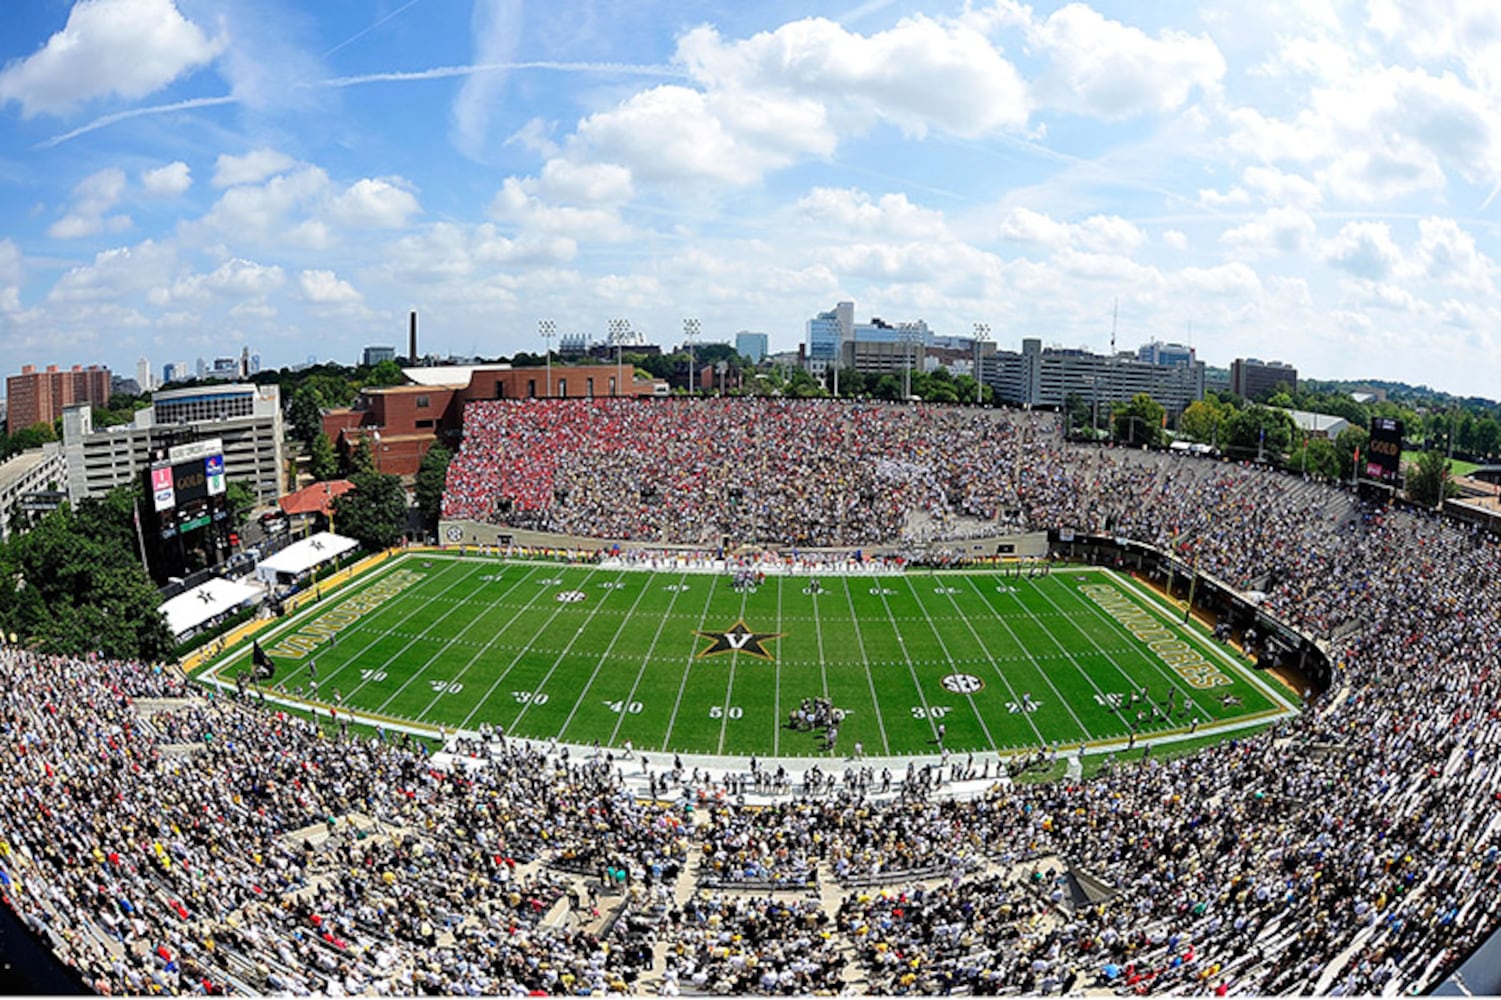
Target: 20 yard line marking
x,y
415,675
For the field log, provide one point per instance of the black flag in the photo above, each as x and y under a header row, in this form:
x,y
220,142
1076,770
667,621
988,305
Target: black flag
x,y
264,668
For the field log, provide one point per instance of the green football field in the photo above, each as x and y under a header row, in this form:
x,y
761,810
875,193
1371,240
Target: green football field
x,y
683,661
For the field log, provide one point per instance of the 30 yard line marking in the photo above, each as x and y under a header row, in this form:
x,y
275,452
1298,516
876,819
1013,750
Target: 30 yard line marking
x,y
953,666
417,674
485,648
870,679
603,656
927,710
672,720
562,655
647,659
557,610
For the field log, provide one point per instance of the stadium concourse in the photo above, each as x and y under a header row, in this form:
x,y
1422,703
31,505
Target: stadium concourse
x,y
165,840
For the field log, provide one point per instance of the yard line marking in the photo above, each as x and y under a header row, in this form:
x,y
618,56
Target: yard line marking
x,y
729,685
353,663
487,645
996,614
953,664
430,660
603,656
672,721
869,677
1153,662
304,618
776,712
562,655
647,659
916,684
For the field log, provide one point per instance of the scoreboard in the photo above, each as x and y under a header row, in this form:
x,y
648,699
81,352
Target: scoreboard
x,y
1384,458
185,485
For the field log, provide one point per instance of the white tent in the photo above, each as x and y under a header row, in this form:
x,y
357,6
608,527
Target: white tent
x,y
299,557
204,603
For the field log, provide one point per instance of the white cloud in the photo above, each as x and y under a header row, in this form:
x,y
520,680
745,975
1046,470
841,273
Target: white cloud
x,y
234,279
1106,69
167,181
515,203
11,273
1105,233
116,274
840,211
127,48
1447,253
1278,188
1364,249
919,74
1277,231
252,168
93,196
325,288
258,212
1175,239
594,183
374,203
1022,225
496,27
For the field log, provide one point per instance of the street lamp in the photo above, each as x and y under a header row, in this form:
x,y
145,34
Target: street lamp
x,y
691,329
548,329
982,334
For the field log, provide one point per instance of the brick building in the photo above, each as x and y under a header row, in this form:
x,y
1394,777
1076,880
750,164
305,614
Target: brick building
x,y
35,397
402,422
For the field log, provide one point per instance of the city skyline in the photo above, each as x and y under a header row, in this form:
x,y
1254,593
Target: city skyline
x,y
1312,183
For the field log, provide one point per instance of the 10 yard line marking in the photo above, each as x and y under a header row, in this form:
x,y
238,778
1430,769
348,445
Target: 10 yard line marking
x,y
415,675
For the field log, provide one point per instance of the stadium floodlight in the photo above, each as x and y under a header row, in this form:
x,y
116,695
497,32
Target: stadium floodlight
x,y
691,329
548,329
982,334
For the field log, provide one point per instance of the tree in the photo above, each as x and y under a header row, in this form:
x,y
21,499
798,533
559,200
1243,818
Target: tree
x,y
240,499
73,584
361,458
374,513
1350,441
1316,456
306,414
1428,479
432,476
385,373
1139,421
1259,431
1204,421
323,461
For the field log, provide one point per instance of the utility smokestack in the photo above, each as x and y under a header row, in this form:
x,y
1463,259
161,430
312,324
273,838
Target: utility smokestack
x,y
412,339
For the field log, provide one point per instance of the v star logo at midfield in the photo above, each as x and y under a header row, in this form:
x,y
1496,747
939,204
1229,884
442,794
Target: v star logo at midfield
x,y
739,639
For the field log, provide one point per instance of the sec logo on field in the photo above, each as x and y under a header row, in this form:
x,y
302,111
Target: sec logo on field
x,y
571,596
455,532
962,683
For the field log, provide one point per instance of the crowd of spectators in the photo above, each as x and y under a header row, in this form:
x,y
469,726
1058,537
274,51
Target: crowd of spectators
x,y
162,840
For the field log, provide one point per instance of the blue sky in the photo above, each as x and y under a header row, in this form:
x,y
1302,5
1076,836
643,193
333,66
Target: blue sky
x,y
1307,180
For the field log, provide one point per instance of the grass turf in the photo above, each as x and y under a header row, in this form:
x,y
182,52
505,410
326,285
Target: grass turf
x,y
626,658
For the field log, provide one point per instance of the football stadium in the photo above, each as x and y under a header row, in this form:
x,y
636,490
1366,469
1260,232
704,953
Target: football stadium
x,y
884,698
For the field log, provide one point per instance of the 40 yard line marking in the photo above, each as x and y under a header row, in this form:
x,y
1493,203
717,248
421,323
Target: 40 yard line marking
x,y
646,660
603,656
859,640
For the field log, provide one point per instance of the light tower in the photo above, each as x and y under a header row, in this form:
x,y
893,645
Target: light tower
x,y
691,329
548,329
982,335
